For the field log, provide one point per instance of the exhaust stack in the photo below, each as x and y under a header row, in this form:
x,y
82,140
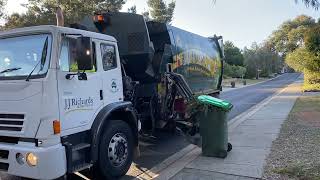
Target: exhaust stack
x,y
59,16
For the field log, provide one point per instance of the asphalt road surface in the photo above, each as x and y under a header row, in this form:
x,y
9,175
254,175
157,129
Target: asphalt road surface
x,y
166,144
243,99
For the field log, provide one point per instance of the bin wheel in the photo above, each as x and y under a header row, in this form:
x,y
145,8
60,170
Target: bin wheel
x,y
223,154
229,147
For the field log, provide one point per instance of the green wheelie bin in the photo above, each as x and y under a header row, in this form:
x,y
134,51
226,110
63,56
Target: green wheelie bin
x,y
214,126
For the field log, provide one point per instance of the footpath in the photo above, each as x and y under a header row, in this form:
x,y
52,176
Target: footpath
x,y
251,135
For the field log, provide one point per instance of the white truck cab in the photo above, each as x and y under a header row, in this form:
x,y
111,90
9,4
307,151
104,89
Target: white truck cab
x,y
61,104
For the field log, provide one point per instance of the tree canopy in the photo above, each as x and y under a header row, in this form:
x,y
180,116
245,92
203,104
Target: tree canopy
x,y
233,54
305,57
133,9
2,4
262,60
41,12
313,3
312,40
160,11
290,34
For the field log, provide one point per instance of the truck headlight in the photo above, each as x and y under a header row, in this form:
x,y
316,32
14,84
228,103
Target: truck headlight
x,y
32,159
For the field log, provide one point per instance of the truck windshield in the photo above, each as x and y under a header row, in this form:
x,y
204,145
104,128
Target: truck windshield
x,y
20,55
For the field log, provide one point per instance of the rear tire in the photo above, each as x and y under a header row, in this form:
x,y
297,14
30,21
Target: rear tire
x,y
115,150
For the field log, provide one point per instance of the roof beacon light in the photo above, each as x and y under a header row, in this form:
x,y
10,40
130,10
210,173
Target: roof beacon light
x,y
98,18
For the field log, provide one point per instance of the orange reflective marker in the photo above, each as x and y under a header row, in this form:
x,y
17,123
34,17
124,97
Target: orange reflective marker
x,y
56,127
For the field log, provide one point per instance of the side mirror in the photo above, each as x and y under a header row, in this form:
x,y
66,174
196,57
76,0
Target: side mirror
x,y
84,54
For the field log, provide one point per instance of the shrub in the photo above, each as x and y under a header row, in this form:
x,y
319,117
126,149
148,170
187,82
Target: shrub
x,y
311,81
234,71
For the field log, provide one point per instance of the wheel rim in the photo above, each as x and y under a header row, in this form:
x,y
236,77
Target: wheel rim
x,y
118,149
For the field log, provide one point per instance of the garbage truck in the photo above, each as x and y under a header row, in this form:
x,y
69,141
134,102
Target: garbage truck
x,y
79,97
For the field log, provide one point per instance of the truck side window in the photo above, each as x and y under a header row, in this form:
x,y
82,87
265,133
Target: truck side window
x,y
64,56
108,55
67,61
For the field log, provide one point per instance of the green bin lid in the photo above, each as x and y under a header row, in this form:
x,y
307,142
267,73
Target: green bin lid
x,y
205,99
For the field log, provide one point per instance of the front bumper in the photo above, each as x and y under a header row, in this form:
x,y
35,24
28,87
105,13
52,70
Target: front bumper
x,y
51,161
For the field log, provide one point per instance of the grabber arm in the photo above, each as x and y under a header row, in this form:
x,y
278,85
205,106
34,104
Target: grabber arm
x,y
189,127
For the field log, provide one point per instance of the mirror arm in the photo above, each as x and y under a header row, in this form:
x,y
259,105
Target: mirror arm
x,y
68,76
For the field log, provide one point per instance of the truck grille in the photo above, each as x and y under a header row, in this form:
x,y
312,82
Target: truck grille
x,y
4,166
4,154
11,122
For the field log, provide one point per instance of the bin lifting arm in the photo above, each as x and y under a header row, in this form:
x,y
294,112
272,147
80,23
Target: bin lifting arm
x,y
188,127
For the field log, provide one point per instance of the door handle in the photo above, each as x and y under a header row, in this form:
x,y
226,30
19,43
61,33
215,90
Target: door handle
x,y
101,95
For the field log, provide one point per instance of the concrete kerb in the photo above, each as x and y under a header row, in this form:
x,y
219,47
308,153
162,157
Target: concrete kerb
x,y
233,123
231,89
180,159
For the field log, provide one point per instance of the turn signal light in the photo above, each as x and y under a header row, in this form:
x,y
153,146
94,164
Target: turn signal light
x,y
56,127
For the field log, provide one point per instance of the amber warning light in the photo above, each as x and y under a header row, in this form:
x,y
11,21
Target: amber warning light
x,y
101,22
98,18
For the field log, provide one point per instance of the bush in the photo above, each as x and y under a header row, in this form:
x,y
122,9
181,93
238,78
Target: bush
x,y
234,71
311,81
302,59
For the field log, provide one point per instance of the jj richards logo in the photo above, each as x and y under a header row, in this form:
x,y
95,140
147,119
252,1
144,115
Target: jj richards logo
x,y
77,103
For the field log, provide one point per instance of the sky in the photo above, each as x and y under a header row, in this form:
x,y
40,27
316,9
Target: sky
x,y
240,21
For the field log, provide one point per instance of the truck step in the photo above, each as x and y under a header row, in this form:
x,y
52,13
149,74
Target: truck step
x,y
182,122
81,167
80,146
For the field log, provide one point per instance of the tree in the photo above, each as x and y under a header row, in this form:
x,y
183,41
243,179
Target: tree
x,y
133,9
40,12
290,34
312,40
20,20
308,56
160,11
2,5
302,59
110,5
233,54
261,60
146,15
234,71
313,3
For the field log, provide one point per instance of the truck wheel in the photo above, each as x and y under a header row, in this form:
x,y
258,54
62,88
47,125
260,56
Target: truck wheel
x,y
115,150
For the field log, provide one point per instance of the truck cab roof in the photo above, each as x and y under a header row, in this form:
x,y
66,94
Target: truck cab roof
x,y
55,30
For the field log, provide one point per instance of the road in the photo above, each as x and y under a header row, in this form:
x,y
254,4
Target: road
x,y
166,144
242,99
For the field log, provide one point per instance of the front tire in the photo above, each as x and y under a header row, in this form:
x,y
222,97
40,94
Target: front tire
x,y
115,150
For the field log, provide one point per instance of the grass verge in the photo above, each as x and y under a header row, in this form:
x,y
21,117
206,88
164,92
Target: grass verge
x,y
295,153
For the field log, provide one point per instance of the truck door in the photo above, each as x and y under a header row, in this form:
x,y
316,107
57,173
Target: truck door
x,y
111,72
79,100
